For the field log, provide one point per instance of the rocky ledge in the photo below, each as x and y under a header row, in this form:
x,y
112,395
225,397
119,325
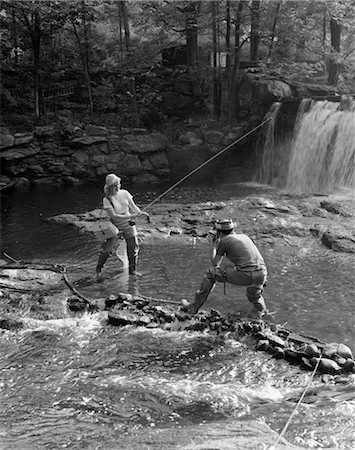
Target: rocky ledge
x,y
271,219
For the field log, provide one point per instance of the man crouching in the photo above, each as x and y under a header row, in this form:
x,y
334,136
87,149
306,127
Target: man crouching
x,y
248,268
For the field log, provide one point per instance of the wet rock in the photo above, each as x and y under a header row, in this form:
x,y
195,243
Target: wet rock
x,y
113,300
337,208
312,350
76,304
122,318
339,241
263,345
144,320
349,366
327,366
334,349
277,352
10,324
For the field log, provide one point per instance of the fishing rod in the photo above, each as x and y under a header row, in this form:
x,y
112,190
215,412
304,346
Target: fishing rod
x,y
205,163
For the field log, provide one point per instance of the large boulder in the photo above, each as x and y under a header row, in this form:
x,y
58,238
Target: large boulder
x,y
144,143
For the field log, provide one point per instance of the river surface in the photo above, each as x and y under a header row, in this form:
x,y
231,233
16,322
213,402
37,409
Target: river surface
x,y
78,383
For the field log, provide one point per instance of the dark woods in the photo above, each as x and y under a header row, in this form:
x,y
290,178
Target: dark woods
x,y
124,59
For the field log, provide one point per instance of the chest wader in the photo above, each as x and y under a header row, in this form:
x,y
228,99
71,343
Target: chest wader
x,y
106,251
132,253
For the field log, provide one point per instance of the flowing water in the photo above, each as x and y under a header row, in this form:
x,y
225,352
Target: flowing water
x,y
319,156
78,383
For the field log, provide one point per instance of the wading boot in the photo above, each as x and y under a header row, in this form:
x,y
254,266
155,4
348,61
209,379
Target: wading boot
x,y
103,257
201,295
257,309
132,268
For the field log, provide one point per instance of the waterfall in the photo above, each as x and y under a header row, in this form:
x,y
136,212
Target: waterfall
x,y
318,156
266,169
323,148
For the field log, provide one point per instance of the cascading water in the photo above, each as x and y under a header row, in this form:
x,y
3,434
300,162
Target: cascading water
x,y
323,150
267,164
321,154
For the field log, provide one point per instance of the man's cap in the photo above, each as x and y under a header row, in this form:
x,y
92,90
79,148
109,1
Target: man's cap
x,y
224,225
111,179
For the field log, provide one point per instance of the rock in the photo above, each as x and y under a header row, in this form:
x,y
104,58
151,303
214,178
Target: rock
x,y
113,300
122,318
312,350
148,143
339,242
278,352
45,131
22,139
76,304
81,156
131,165
87,141
262,345
10,324
326,365
349,366
19,153
213,137
6,140
336,208
334,349
94,130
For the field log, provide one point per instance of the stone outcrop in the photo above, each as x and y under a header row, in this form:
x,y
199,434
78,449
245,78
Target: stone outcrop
x,y
46,156
268,219
138,156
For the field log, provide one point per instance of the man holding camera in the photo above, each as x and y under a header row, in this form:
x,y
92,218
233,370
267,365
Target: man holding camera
x,y
248,268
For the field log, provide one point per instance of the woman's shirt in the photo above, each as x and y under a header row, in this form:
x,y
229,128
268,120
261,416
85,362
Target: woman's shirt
x,y
121,205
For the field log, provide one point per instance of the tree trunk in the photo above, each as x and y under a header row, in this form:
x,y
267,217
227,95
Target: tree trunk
x,y
273,29
84,62
191,11
254,32
227,70
14,37
135,114
335,33
124,18
86,57
232,112
36,43
214,61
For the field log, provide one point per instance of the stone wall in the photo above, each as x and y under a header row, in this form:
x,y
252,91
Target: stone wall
x,y
138,156
46,156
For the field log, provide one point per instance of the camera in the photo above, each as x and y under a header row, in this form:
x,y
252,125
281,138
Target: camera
x,y
212,234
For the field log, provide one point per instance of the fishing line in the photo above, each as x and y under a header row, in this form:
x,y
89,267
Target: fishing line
x,y
205,163
273,446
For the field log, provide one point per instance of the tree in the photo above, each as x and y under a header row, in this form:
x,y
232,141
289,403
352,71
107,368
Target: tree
x,y
36,19
80,19
254,29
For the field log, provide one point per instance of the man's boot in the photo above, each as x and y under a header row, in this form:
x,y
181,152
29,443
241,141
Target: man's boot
x,y
200,297
257,309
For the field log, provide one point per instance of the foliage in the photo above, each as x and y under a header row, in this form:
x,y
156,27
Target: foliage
x,y
100,46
